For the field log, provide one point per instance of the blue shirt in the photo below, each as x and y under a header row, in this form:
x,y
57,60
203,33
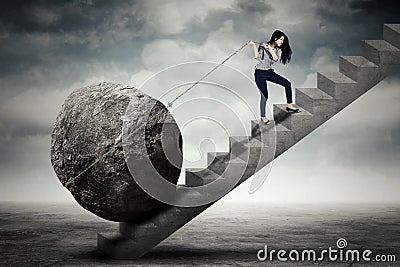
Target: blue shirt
x,y
267,62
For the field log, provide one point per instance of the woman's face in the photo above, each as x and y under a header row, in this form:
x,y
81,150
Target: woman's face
x,y
279,41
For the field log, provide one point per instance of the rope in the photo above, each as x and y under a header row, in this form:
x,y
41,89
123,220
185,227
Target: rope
x,y
208,73
119,139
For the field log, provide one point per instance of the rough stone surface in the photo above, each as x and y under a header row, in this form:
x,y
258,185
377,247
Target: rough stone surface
x,y
90,125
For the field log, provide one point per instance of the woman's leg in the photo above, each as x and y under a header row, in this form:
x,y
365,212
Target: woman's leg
x,y
276,78
261,82
263,103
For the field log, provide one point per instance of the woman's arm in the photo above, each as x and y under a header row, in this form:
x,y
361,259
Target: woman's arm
x,y
254,48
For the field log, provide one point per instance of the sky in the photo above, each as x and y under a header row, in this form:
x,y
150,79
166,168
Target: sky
x,y
50,48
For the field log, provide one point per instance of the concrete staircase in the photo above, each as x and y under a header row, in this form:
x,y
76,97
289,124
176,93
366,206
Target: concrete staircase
x,y
335,90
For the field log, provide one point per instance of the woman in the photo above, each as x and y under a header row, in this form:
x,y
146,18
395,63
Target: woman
x,y
277,48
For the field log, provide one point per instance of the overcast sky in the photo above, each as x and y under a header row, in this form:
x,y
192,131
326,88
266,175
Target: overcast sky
x,y
49,48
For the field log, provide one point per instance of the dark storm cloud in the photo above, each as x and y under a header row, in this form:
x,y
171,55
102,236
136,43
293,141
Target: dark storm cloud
x,y
24,16
357,18
12,128
342,11
256,6
247,17
50,33
49,45
199,30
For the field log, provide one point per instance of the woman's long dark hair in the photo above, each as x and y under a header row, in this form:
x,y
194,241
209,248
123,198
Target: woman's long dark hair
x,y
286,50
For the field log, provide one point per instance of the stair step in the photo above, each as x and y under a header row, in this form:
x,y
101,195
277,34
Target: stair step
x,y
240,143
391,34
213,156
360,69
235,142
243,146
380,52
316,101
221,156
274,135
199,176
301,123
218,161
336,84
229,170
267,133
292,121
255,153
319,103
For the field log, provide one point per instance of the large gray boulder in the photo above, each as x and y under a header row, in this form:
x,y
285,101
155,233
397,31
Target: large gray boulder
x,y
88,126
